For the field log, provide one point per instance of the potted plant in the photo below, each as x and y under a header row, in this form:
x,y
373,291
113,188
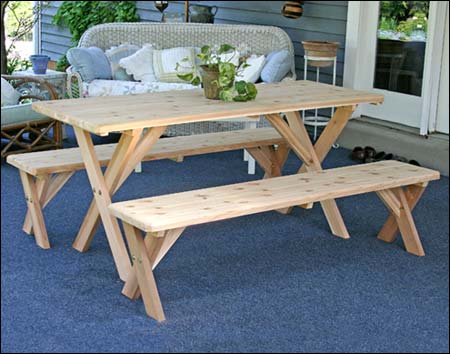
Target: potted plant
x,y
39,63
217,73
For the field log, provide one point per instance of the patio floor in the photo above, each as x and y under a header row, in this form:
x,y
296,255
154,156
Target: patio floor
x,y
263,283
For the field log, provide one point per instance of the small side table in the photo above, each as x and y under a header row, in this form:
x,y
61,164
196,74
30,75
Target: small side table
x,y
56,78
316,120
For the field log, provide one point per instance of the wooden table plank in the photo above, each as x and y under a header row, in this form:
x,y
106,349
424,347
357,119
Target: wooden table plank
x,y
103,115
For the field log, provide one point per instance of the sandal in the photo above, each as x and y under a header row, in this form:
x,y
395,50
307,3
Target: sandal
x,y
358,154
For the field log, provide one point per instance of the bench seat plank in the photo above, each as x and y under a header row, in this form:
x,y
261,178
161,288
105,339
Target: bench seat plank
x,y
225,202
69,160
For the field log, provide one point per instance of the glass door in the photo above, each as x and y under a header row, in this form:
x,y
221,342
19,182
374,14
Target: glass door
x,y
398,35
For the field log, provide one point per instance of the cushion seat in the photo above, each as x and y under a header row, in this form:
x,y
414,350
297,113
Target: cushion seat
x,y
19,114
98,88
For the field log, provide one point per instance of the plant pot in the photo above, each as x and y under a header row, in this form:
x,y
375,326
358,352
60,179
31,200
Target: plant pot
x,y
209,76
39,63
322,50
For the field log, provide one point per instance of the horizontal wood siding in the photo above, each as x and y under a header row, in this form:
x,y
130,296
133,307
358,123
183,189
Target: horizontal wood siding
x,y
322,20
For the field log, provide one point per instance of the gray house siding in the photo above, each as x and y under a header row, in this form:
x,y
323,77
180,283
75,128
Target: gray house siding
x,y
322,20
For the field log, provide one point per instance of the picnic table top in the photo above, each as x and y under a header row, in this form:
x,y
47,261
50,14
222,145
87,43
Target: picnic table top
x,y
104,115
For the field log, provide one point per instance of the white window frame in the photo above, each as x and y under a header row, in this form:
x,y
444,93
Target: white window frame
x,y
358,50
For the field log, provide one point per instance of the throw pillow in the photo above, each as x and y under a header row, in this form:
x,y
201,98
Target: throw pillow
x,y
115,54
91,63
165,63
10,96
140,64
253,71
278,65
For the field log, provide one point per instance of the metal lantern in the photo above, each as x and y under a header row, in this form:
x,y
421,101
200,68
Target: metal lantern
x,y
293,9
161,5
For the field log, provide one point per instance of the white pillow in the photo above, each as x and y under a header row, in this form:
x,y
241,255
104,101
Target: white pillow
x,y
232,57
10,96
253,72
165,63
140,64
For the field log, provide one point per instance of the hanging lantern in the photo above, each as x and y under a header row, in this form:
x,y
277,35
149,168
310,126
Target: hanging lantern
x,y
293,9
161,5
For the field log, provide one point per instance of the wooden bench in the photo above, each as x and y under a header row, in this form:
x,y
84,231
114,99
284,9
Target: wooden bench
x,y
43,174
164,218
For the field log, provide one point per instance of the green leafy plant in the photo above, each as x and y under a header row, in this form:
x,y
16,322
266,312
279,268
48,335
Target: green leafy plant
x,y
218,60
16,63
78,16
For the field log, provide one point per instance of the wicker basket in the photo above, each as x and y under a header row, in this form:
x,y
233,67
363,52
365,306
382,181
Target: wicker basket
x,y
322,50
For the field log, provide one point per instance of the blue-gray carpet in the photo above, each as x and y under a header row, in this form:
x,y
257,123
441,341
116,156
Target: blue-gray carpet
x,y
263,283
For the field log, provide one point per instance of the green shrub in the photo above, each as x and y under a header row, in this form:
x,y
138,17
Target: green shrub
x,y
79,16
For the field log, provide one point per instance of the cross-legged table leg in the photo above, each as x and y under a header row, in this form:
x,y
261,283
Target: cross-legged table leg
x,y
124,159
115,181
297,137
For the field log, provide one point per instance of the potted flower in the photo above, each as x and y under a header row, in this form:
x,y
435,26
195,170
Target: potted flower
x,y
218,72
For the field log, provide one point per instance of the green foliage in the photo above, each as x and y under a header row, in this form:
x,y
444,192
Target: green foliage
x,y
62,64
404,17
18,12
78,16
230,89
416,23
16,63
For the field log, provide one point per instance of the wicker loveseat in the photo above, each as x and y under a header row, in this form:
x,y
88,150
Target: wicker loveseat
x,y
257,39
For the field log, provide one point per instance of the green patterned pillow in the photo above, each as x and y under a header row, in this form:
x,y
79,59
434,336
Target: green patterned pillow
x,y
165,63
115,54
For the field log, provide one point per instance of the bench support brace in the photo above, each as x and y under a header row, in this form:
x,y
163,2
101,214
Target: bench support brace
x,y
157,246
47,187
144,273
401,203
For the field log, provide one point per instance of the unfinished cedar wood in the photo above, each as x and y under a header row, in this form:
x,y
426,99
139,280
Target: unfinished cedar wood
x,y
191,106
54,168
103,115
69,160
165,218
202,206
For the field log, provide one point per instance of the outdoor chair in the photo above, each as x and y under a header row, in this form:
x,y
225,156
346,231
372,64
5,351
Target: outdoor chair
x,y
22,129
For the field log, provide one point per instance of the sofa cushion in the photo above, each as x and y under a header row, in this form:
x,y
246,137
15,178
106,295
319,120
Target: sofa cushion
x,y
120,88
115,54
91,63
10,96
253,71
140,64
18,114
277,67
165,63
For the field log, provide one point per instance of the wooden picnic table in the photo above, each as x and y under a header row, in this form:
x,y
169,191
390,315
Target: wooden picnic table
x,y
154,112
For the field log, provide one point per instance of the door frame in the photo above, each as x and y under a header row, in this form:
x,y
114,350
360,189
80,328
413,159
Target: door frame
x,y
361,20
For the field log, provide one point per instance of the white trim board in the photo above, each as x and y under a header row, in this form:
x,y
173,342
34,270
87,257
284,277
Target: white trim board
x,y
359,52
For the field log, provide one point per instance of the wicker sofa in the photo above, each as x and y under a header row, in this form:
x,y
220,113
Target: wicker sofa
x,y
257,39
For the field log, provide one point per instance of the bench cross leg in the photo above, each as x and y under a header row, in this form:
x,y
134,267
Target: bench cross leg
x,y
157,246
144,273
400,206
298,139
47,188
390,229
35,209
